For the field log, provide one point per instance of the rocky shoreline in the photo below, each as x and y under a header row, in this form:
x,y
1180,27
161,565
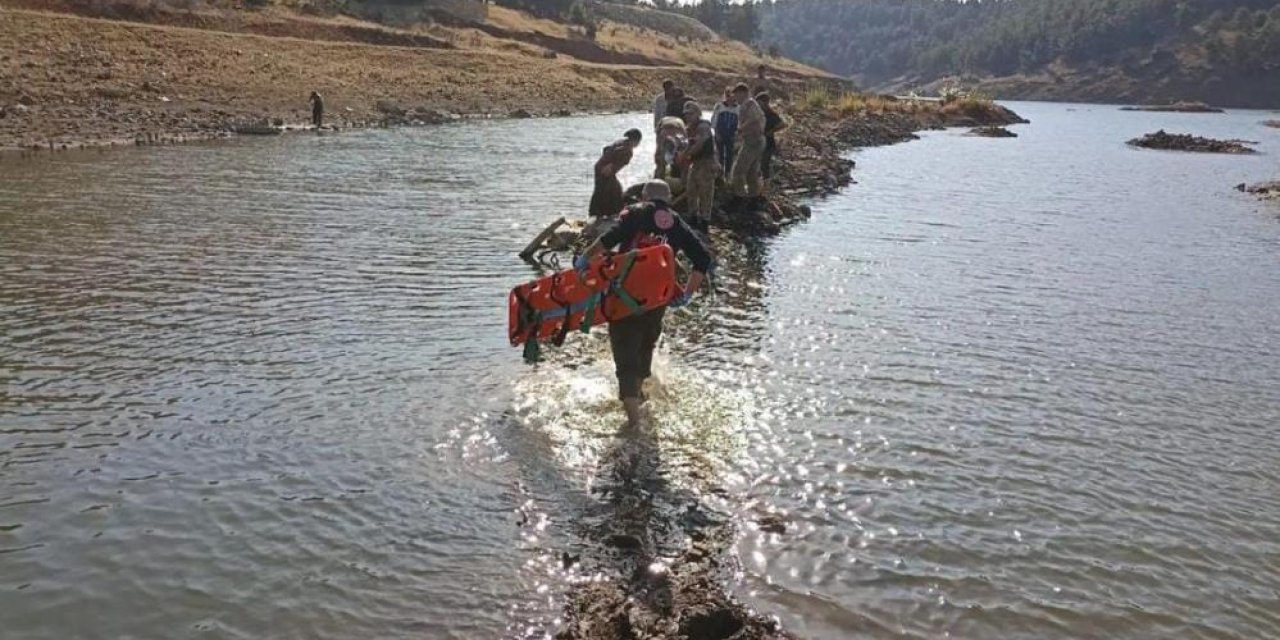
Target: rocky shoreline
x,y
812,159
1164,141
1264,190
1177,107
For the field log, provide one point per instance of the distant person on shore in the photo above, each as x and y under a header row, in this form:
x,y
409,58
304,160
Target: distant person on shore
x,y
773,125
745,177
607,197
724,118
700,176
660,102
633,339
317,110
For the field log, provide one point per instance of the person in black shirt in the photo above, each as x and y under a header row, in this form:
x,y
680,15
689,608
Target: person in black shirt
x,y
632,339
317,109
606,198
773,125
675,106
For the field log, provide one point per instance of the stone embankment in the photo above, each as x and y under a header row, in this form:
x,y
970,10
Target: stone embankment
x,y
1183,142
1177,107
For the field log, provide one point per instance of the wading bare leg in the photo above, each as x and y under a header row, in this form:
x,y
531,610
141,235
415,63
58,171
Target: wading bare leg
x,y
632,341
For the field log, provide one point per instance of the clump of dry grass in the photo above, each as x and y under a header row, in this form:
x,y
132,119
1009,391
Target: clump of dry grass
x,y
816,99
971,107
859,104
953,105
855,103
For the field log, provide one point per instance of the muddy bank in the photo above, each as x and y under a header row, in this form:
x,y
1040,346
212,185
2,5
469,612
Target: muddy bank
x,y
1183,142
68,81
679,603
666,557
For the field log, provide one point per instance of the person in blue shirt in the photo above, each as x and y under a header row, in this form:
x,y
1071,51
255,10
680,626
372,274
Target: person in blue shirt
x,y
773,125
724,118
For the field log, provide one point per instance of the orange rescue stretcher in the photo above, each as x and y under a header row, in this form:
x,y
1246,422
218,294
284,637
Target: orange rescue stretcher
x,y
614,287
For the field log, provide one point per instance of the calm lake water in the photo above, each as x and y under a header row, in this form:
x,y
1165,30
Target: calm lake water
x,y
998,389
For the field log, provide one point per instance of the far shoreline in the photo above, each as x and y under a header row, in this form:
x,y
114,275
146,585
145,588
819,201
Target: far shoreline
x,y
176,138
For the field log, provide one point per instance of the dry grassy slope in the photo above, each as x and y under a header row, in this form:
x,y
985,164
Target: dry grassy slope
x,y
66,77
659,47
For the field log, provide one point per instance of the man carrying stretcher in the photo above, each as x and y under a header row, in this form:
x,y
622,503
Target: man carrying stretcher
x,y
632,339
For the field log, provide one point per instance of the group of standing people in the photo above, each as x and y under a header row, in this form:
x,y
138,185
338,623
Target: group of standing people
x,y
737,144
734,145
746,127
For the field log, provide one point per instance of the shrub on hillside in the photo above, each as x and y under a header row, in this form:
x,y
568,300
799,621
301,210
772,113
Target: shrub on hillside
x,y
819,98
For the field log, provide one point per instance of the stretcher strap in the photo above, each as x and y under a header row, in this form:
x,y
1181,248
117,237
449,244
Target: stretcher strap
x,y
617,289
558,340
528,319
571,309
589,313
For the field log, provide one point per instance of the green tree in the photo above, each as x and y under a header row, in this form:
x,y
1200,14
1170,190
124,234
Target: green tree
x,y
743,23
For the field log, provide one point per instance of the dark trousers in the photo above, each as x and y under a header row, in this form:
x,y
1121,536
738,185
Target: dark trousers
x,y
317,117
607,198
633,340
766,160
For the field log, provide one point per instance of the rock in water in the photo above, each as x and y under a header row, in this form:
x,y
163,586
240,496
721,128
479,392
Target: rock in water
x,y
1179,107
520,114
623,541
992,132
772,523
1183,142
1264,190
